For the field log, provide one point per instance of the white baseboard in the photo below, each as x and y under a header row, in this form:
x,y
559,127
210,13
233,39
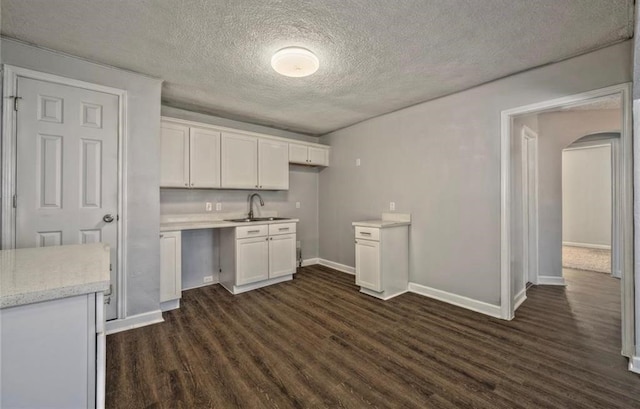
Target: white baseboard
x,y
634,364
551,280
134,321
519,298
460,301
586,245
201,285
170,305
337,266
310,261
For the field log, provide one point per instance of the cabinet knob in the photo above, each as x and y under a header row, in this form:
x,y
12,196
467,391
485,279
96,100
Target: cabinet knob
x,y
260,186
162,235
186,184
192,184
256,185
267,239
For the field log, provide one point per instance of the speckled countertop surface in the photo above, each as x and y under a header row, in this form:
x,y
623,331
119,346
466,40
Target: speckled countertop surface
x,y
205,221
40,274
381,224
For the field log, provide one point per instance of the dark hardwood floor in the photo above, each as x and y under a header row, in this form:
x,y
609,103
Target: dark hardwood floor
x,y
317,342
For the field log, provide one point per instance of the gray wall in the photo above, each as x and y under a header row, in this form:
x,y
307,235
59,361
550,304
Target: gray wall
x,y
143,173
586,195
557,130
200,256
440,161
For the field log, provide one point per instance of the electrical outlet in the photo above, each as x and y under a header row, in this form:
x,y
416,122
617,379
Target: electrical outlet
x,y
297,205
358,162
208,206
218,206
392,206
208,279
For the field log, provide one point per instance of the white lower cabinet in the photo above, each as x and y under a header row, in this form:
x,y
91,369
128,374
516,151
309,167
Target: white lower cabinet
x,y
170,269
252,258
53,354
256,256
382,259
368,264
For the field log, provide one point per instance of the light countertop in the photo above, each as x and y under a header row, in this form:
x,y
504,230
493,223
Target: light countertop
x,y
195,222
380,224
387,220
47,273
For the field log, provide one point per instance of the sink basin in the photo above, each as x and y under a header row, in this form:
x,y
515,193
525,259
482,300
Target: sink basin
x,y
257,219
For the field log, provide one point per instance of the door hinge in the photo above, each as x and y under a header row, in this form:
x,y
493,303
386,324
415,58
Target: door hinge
x,y
15,201
108,293
110,267
15,102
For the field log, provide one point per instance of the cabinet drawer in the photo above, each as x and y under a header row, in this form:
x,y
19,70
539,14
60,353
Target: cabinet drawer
x,y
282,228
367,233
251,231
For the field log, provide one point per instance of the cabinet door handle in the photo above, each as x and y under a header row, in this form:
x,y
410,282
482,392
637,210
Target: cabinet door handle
x,y
253,231
162,235
267,239
283,228
364,233
186,184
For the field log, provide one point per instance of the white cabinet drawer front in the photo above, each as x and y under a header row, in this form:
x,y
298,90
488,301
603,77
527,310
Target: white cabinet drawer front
x,y
367,233
282,228
251,231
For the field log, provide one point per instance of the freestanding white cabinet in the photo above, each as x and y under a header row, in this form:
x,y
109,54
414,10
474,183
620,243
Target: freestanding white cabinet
x,y
170,270
255,256
382,255
189,156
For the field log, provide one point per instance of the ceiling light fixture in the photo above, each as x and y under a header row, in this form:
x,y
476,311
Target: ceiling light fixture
x,y
295,62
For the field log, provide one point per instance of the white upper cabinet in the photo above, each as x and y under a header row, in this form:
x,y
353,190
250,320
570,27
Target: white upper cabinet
x,y
239,161
201,156
273,165
189,156
298,153
204,155
174,155
308,155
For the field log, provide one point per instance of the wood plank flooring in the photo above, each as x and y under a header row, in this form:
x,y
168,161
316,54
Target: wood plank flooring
x,y
317,342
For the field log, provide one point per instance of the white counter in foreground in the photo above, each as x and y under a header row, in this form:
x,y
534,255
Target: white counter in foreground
x,y
47,273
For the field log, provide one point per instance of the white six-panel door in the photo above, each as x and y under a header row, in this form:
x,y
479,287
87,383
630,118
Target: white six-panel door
x,y
67,169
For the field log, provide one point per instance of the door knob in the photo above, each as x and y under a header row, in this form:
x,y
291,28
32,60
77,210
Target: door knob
x,y
107,218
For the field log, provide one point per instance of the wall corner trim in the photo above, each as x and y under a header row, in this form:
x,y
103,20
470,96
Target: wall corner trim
x,y
457,300
134,321
519,299
550,280
634,364
310,261
337,266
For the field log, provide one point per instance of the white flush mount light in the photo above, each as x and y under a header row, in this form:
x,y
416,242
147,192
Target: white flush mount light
x,y
295,62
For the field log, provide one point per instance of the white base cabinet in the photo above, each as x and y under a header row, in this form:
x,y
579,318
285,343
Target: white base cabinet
x,y
170,270
53,354
256,256
382,260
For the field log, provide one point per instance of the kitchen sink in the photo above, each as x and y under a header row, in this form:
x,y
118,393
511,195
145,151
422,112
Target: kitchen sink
x,y
257,219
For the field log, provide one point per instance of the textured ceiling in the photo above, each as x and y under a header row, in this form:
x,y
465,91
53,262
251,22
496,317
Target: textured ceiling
x,y
376,56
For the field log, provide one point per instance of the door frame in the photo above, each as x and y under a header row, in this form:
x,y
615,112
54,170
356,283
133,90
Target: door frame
x,y
9,159
529,221
625,204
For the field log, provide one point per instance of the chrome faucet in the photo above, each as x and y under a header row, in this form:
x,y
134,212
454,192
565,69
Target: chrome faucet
x,y
251,196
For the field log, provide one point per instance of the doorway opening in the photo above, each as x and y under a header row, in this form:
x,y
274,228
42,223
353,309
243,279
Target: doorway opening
x,y
533,140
